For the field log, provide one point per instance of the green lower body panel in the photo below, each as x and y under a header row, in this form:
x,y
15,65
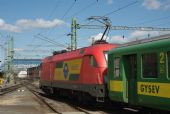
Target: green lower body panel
x,y
116,96
154,102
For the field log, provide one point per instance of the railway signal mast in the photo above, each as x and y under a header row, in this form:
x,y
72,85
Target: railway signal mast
x,y
107,26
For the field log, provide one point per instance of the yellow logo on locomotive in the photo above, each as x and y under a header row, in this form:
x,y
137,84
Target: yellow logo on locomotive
x,y
69,70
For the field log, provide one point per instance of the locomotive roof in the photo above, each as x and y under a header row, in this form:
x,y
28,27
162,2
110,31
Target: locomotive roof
x,y
80,52
143,45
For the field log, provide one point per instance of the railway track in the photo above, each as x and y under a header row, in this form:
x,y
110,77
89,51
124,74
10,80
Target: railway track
x,y
9,89
56,106
66,106
61,105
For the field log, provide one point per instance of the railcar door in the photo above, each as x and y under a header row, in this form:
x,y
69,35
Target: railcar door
x,y
130,68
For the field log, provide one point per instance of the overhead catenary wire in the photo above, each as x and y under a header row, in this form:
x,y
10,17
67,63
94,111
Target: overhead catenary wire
x,y
39,45
157,19
91,4
62,45
68,10
81,10
126,27
123,7
76,13
153,20
50,15
49,40
52,12
114,11
55,9
108,27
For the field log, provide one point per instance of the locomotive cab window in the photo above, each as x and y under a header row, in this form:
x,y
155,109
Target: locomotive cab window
x,y
93,61
168,55
117,67
149,65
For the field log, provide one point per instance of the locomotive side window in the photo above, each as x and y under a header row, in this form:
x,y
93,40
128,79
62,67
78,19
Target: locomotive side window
x,y
149,65
117,67
168,54
93,61
59,64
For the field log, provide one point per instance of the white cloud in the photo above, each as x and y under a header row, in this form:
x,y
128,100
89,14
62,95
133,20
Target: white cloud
x,y
8,27
109,1
97,37
152,4
23,24
137,35
39,23
119,39
2,22
18,49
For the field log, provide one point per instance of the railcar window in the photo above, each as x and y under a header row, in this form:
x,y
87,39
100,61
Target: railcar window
x,y
149,65
168,64
59,65
93,61
117,67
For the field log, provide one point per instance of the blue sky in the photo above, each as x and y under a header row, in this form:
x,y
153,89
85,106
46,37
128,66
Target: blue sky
x,y
26,19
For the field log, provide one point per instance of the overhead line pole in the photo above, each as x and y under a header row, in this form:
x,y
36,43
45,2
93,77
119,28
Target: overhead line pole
x,y
74,34
9,59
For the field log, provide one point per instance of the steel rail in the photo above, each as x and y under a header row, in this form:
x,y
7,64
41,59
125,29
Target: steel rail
x,y
9,89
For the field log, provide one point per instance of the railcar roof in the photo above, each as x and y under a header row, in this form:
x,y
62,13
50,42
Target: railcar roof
x,y
143,45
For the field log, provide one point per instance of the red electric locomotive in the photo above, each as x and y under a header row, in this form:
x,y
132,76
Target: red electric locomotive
x,y
77,73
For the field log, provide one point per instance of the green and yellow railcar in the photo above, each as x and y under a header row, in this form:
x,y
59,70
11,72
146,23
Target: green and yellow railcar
x,y
139,74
